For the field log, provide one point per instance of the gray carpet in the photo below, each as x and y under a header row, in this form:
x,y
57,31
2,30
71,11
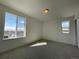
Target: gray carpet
x,y
53,50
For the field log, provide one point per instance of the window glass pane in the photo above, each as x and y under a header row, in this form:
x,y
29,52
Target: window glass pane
x,y
10,25
65,26
20,26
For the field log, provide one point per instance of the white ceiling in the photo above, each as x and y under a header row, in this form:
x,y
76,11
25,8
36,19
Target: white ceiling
x,y
33,8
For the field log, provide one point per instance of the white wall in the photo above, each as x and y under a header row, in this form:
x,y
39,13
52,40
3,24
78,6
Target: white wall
x,y
52,31
34,32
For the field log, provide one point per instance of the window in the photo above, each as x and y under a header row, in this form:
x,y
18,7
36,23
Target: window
x,y
14,26
65,27
20,27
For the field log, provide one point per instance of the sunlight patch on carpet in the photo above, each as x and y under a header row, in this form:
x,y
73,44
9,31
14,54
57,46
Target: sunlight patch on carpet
x,y
39,44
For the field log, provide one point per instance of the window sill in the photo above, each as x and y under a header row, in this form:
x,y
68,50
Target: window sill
x,y
14,38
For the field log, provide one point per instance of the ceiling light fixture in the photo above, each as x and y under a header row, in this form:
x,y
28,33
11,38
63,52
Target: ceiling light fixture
x,y
45,10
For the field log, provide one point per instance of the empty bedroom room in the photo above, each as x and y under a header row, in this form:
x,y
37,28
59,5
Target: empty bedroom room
x,y
39,29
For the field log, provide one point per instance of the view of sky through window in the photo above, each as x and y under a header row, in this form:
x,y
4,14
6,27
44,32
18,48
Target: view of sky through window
x,y
65,24
10,21
20,24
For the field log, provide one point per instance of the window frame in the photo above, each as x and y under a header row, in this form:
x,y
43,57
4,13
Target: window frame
x,y
24,36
